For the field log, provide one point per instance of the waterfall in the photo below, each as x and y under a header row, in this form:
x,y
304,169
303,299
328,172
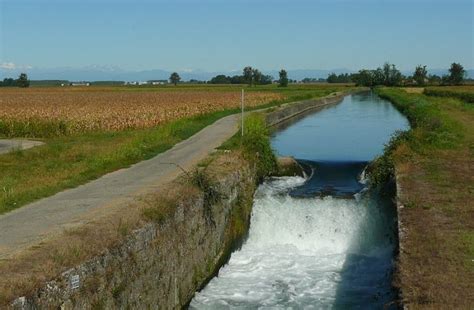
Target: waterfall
x,y
307,252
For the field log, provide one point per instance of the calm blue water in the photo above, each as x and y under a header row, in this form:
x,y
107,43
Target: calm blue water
x,y
325,242
354,130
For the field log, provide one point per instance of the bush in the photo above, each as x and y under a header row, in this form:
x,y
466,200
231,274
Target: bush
x,y
382,169
256,145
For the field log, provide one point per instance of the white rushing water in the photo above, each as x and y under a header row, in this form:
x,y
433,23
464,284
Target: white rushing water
x,y
307,253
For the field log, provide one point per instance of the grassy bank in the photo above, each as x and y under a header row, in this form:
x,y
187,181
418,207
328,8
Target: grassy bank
x,y
435,170
68,161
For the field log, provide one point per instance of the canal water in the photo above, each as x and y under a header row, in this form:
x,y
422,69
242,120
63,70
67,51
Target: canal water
x,y
325,241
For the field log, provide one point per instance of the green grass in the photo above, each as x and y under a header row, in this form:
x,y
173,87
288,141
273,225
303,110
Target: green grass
x,y
68,161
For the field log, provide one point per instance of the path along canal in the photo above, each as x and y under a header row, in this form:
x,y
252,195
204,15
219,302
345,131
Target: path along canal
x,y
325,241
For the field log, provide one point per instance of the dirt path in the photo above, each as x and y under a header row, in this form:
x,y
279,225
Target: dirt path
x,y
33,223
10,145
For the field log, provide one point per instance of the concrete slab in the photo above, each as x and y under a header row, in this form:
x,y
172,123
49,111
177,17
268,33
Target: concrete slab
x,y
8,145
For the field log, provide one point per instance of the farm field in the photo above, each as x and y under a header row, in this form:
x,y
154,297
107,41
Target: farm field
x,y
465,92
40,113
91,131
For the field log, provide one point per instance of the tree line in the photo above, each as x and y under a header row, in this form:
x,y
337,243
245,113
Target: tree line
x,y
250,76
389,75
21,81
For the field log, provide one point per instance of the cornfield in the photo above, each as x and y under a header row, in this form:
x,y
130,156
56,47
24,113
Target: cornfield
x,y
53,112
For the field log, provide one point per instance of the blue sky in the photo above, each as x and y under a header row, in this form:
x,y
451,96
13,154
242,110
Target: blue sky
x,y
227,35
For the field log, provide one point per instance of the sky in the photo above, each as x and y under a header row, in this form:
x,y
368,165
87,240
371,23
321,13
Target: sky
x,y
227,35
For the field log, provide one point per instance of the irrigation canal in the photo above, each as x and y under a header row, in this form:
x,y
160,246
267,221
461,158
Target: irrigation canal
x,y
325,241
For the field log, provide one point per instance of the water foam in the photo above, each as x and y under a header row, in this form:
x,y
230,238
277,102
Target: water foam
x,y
306,252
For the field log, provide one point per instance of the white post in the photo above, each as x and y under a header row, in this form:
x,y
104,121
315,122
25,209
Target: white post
x,y
242,104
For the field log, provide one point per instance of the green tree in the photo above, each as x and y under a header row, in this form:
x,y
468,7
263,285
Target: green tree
x,y
283,82
248,75
379,76
364,78
420,75
396,76
456,74
386,74
23,80
237,79
220,79
434,79
9,82
332,78
266,79
175,78
256,76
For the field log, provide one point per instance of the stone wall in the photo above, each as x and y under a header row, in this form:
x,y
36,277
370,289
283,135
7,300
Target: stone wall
x,y
159,265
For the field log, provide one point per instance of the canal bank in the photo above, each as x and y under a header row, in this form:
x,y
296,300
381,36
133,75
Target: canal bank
x,y
433,167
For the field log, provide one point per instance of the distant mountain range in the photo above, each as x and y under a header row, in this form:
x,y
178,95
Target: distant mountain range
x,y
104,73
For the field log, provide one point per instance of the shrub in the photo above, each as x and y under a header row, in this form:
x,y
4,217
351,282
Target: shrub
x,y
256,145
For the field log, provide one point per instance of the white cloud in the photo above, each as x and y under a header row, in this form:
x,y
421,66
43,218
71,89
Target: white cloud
x,y
12,66
7,65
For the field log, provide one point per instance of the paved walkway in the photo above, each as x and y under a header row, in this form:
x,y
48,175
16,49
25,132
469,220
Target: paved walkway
x,y
29,225
10,145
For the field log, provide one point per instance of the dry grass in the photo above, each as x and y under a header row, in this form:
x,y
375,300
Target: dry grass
x,y
414,90
465,92
462,88
91,109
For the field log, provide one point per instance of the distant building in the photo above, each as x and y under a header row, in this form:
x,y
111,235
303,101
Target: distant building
x,y
80,84
158,82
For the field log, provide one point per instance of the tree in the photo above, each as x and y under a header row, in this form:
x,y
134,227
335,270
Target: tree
x,y
386,74
256,76
283,82
220,79
379,76
341,78
332,78
396,77
175,78
364,78
237,79
266,79
248,75
420,75
23,80
434,79
8,82
456,74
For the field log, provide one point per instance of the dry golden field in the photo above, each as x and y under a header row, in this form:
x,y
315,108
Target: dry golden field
x,y
77,110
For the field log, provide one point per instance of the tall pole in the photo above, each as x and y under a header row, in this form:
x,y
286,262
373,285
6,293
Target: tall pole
x,y
242,104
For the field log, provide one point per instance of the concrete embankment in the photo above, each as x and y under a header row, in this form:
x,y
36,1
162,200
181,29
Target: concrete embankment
x,y
291,110
165,261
